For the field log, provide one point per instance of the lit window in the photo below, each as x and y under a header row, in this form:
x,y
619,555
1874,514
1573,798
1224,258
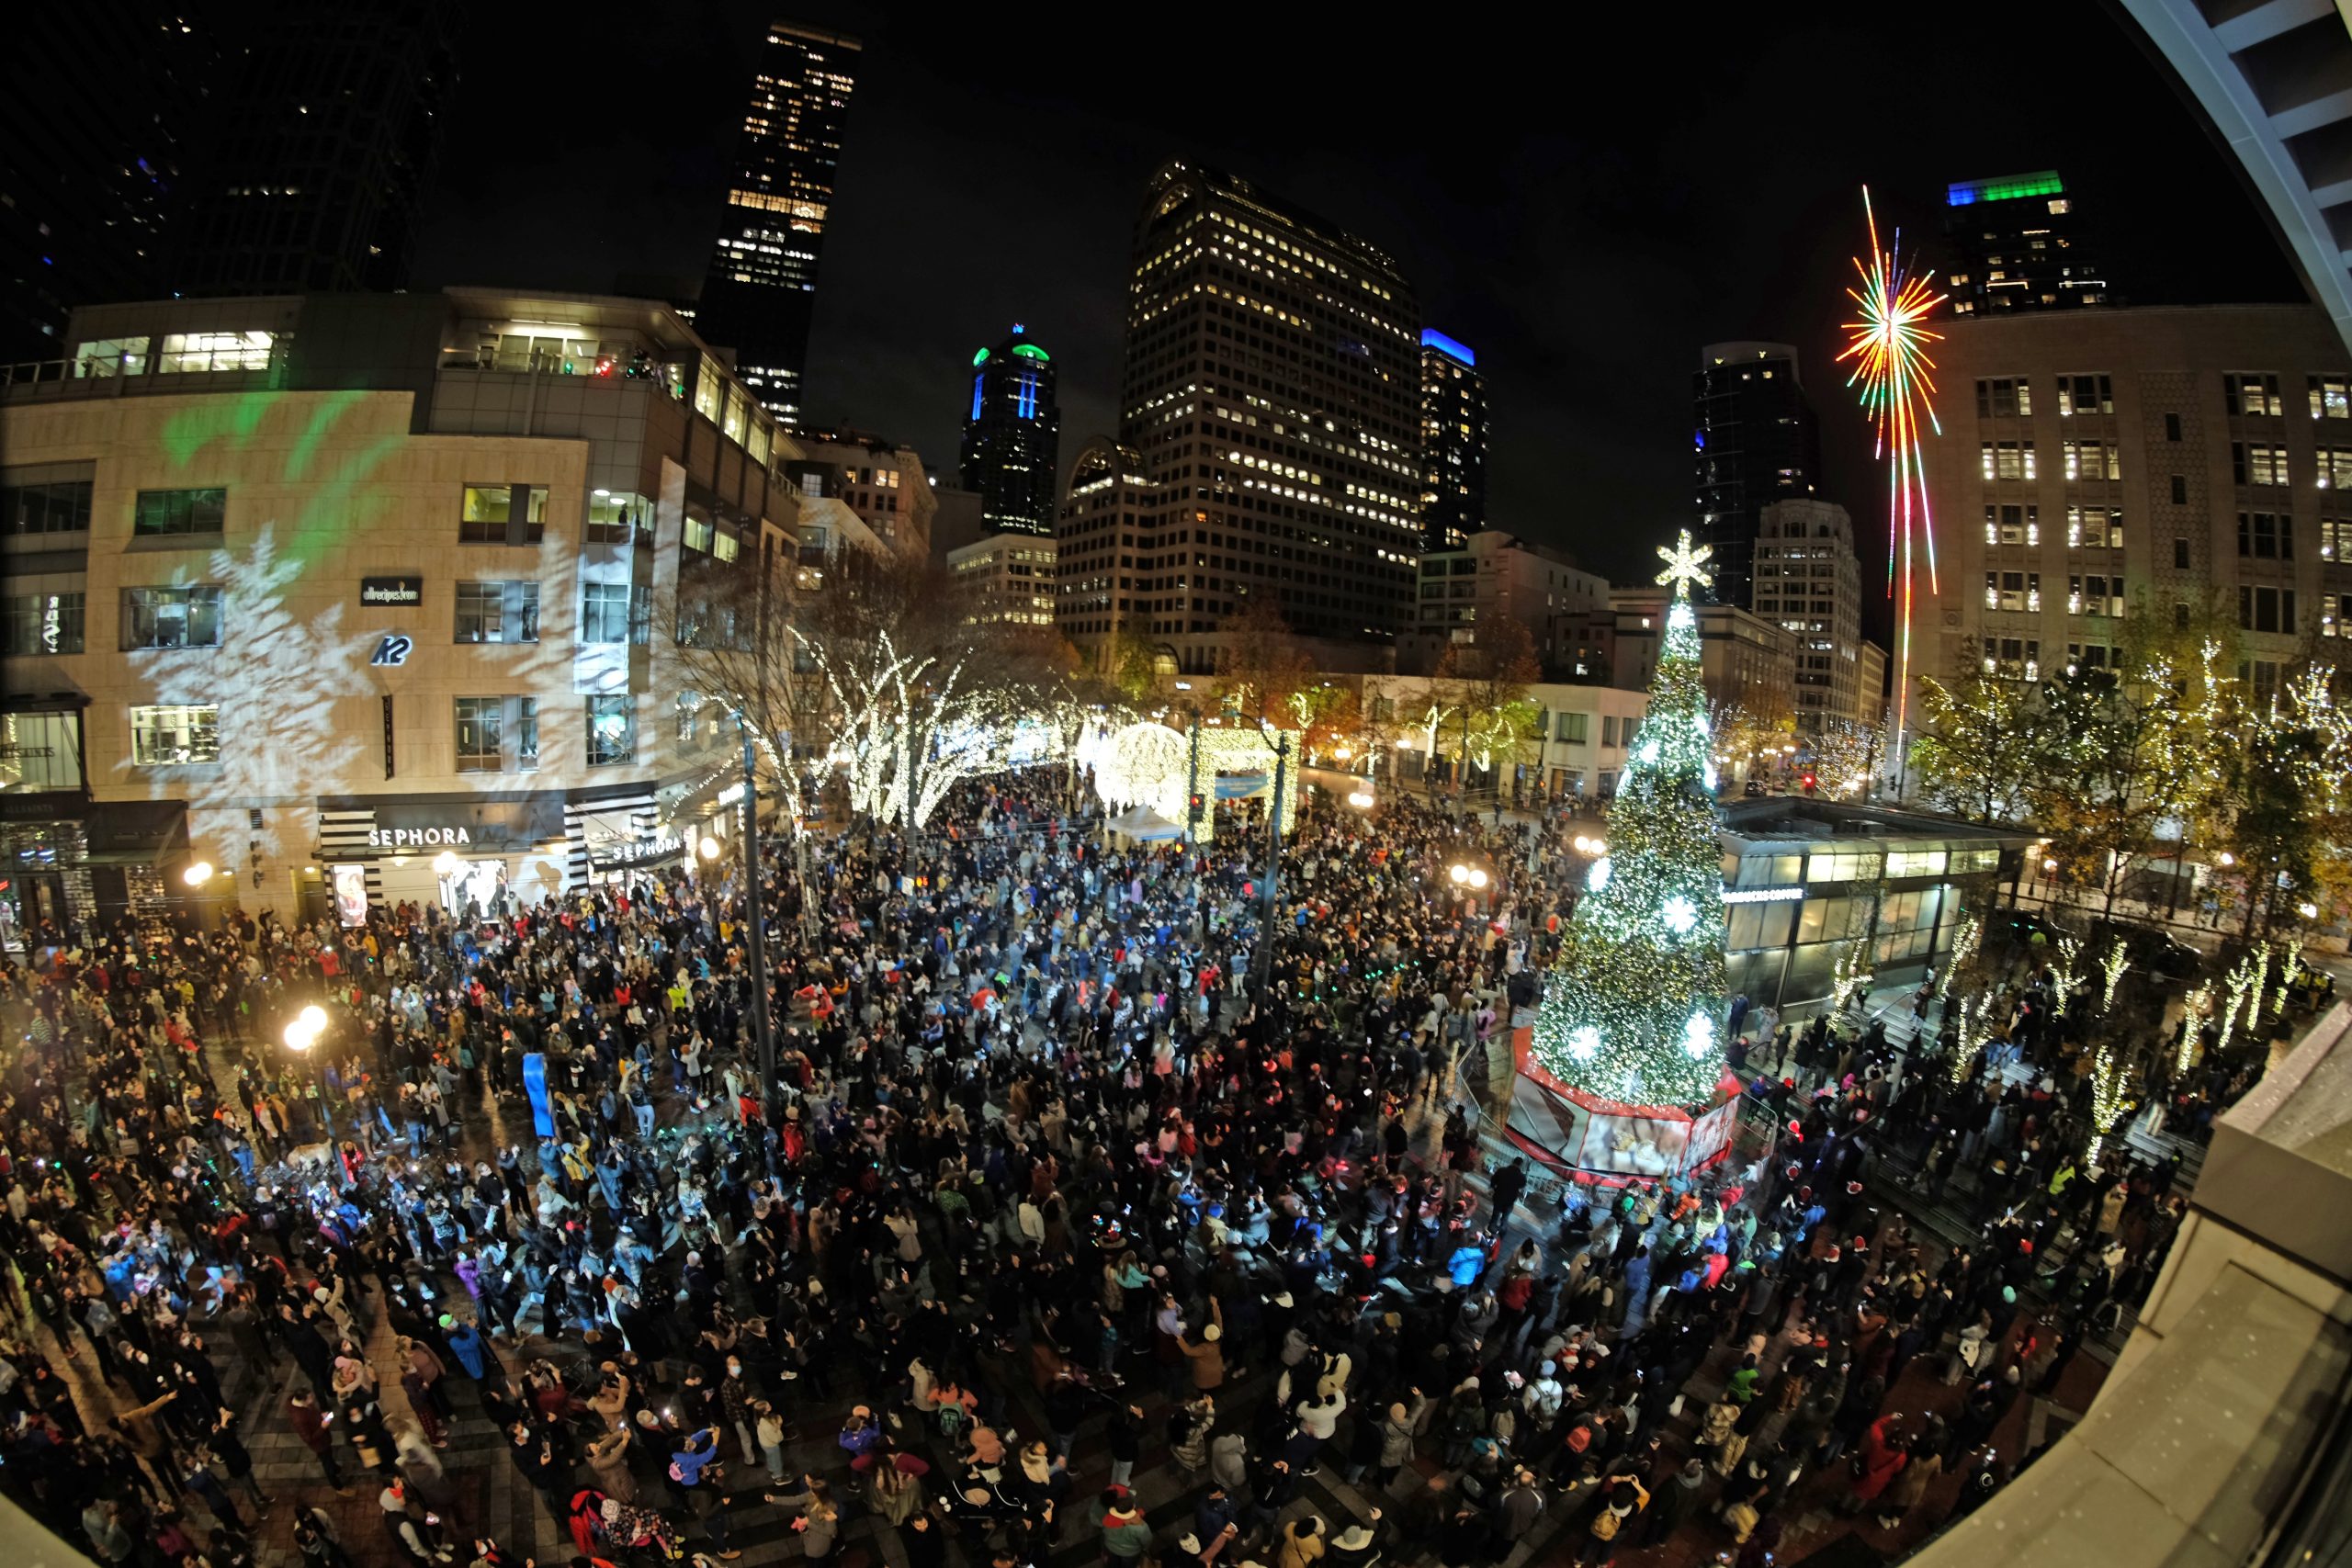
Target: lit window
x,y
175,736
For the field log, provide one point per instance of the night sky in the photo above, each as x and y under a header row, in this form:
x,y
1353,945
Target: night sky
x,y
1584,210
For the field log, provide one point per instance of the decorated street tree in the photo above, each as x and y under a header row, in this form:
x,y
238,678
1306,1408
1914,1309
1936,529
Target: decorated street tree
x,y
1633,1012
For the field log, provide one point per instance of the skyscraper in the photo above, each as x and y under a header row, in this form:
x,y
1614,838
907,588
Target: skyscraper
x,y
1809,581
1013,440
320,149
2012,244
760,292
1756,443
1271,394
94,141
1454,442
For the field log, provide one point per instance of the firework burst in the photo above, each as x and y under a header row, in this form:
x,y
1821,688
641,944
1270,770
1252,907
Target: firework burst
x,y
1895,379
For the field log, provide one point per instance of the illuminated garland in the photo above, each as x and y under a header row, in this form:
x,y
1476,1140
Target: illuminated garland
x,y
1634,1008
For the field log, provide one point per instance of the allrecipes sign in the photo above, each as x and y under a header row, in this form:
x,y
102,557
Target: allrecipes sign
x,y
391,591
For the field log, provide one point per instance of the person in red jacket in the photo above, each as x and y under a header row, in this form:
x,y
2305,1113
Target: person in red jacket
x,y
1880,1458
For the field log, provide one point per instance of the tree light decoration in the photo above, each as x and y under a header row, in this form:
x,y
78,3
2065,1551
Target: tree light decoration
x,y
2110,1097
1850,976
1893,373
2243,981
1699,1037
1974,1028
1617,1015
2113,965
2291,966
2065,973
1964,943
2195,1009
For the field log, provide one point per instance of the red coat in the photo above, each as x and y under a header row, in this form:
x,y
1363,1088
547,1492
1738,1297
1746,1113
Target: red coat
x,y
1881,1462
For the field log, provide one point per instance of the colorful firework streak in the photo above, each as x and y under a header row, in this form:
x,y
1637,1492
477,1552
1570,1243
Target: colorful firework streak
x,y
1895,377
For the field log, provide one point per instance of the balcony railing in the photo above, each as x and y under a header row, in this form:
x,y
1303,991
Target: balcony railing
x,y
141,375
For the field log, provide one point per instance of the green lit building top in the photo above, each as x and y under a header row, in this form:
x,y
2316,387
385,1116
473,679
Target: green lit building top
x,y
2013,243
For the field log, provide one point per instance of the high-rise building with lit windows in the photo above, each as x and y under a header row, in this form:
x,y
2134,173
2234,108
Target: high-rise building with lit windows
x,y
1012,437
1271,407
1809,581
1756,442
2095,465
1454,442
759,295
2012,244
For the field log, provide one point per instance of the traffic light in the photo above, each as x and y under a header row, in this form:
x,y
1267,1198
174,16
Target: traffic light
x,y
1195,807
1808,781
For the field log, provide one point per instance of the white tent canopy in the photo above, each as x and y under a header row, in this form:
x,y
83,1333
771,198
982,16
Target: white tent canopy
x,y
1143,822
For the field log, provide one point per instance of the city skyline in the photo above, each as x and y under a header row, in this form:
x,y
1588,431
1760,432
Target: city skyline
x,y
1524,233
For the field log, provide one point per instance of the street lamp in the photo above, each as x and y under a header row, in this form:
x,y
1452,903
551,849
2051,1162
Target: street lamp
x,y
1361,798
2308,910
710,849
197,874
2226,860
302,1034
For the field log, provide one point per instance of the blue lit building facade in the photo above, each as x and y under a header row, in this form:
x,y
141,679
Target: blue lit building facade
x,y
1454,442
1013,437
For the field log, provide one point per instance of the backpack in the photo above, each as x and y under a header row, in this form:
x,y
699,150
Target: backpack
x,y
1605,1524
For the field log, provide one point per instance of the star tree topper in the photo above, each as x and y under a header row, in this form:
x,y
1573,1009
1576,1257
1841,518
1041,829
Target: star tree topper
x,y
1685,564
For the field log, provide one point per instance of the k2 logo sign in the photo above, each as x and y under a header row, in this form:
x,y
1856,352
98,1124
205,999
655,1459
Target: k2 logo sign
x,y
393,649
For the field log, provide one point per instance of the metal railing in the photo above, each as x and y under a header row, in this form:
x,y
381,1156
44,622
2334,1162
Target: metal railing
x,y
85,377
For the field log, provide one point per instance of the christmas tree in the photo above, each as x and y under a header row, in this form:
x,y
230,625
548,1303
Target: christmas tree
x,y
1632,1010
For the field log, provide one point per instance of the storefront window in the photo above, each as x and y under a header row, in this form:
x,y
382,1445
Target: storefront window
x,y
40,751
176,736
612,730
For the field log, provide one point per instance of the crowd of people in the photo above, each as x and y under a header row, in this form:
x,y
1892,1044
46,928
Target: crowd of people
x,y
1068,1138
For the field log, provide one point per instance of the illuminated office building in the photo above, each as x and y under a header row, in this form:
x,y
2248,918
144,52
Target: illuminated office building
x,y
1270,407
1756,442
1454,442
1013,438
2013,243
759,293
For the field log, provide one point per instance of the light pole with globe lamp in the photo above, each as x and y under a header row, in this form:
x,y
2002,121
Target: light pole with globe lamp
x,y
302,1035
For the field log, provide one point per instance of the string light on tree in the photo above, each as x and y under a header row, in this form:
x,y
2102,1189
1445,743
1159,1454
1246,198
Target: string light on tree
x,y
2195,1009
1964,943
1633,1012
2113,965
2110,1097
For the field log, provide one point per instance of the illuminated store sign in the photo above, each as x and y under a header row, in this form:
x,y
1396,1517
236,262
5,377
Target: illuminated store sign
x,y
416,838
1762,895
391,591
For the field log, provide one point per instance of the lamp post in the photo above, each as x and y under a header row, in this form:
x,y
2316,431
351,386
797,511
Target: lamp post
x,y
1262,962
302,1036
755,917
